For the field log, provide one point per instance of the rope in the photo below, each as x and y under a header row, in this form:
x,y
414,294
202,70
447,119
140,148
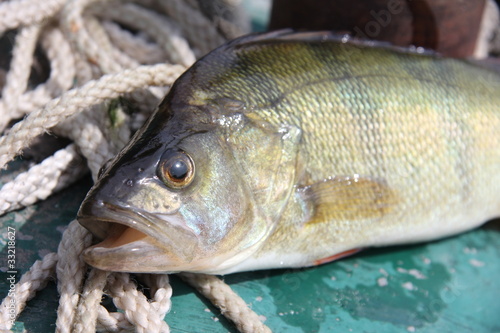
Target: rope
x,y
232,306
104,57
86,316
137,48
138,310
198,29
62,73
70,273
20,68
165,33
32,281
40,181
95,92
19,13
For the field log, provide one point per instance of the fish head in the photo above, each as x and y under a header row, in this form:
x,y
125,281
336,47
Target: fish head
x,y
179,196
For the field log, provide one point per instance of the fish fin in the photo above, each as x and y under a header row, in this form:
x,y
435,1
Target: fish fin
x,y
336,256
349,198
491,64
289,35
325,36
260,36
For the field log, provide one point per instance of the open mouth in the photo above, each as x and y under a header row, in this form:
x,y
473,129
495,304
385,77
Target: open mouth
x,y
123,249
125,241
119,234
134,241
114,225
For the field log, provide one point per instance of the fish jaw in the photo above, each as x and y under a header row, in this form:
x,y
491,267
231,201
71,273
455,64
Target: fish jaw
x,y
132,242
129,250
139,255
144,256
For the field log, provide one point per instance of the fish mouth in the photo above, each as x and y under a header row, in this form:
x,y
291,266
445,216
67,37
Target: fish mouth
x,y
114,225
131,241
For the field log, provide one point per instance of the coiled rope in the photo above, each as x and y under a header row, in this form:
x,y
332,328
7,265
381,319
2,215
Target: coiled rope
x,y
94,60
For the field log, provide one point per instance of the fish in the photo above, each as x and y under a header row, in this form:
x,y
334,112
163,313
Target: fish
x,y
292,149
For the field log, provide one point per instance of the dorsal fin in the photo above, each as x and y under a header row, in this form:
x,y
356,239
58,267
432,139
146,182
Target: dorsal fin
x,y
289,35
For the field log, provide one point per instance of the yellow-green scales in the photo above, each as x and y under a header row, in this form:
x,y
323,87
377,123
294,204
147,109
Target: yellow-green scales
x,y
309,147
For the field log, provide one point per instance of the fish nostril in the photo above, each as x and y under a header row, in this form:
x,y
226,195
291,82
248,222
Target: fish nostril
x,y
129,182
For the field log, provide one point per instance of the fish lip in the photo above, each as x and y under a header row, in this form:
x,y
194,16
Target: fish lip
x,y
159,252
146,255
98,218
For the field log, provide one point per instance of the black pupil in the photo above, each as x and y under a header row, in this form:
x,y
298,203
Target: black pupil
x,y
178,170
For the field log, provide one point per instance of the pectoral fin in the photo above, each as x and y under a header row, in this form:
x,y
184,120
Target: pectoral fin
x,y
349,198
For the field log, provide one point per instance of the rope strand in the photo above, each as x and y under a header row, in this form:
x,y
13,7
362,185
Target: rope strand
x,y
131,42
232,306
39,182
20,69
95,92
32,281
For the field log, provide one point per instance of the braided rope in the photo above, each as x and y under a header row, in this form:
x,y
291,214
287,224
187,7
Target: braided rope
x,y
166,35
73,24
20,69
95,92
136,306
62,73
232,306
198,29
82,40
87,134
39,182
70,271
137,48
27,12
32,281
86,316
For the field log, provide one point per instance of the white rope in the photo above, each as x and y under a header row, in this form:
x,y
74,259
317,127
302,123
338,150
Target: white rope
x,y
62,73
137,48
70,272
86,316
32,281
167,36
87,134
27,12
100,37
198,29
39,182
20,69
73,24
95,92
82,40
138,310
232,306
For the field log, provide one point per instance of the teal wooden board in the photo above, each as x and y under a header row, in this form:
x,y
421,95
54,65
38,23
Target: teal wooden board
x,y
450,285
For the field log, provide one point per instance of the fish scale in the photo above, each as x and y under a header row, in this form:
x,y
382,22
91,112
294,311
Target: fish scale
x,y
306,147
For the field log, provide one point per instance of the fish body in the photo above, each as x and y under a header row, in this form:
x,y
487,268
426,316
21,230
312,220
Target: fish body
x,y
295,149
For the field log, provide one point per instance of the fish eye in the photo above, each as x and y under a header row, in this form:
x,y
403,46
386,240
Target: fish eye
x,y
176,169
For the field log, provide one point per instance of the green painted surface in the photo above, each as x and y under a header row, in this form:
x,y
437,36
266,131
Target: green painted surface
x,y
450,285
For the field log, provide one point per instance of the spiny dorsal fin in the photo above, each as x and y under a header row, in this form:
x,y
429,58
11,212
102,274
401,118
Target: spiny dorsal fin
x,y
349,198
289,35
